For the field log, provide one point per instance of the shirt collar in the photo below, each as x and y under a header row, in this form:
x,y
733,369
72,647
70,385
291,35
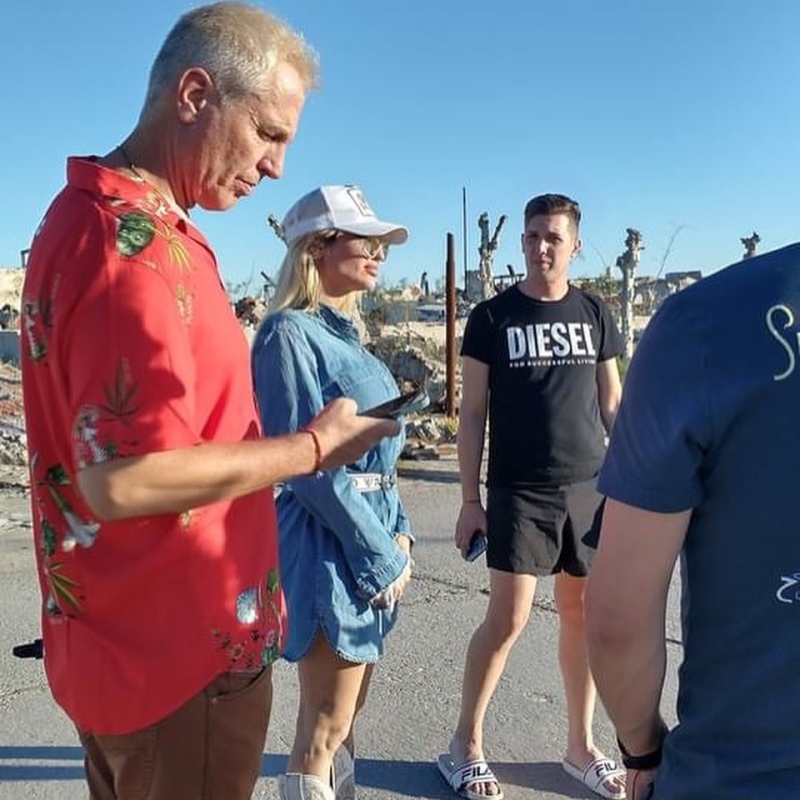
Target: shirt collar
x,y
87,174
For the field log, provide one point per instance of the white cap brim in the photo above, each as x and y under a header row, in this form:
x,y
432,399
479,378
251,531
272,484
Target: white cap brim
x,y
388,231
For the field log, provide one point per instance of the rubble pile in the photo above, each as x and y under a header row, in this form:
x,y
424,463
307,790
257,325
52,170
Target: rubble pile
x,y
13,442
250,311
429,437
13,447
11,281
415,352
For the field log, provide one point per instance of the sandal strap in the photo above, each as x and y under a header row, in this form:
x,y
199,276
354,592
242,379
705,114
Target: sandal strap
x,y
476,771
604,768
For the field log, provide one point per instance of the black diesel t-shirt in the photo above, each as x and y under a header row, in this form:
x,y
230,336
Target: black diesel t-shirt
x,y
544,417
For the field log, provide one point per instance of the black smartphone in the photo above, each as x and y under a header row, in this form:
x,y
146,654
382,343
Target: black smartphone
x,y
477,545
406,403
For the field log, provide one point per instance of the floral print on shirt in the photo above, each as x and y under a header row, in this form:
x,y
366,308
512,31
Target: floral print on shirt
x,y
97,389
137,229
250,605
60,538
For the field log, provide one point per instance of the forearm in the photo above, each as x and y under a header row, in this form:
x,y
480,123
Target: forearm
x,y
625,608
629,673
609,392
173,481
608,415
471,433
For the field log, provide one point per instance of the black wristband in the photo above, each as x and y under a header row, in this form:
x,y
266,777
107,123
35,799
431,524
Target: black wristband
x,y
648,761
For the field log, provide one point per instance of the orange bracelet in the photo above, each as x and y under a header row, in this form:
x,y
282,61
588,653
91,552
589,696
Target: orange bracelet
x,y
317,448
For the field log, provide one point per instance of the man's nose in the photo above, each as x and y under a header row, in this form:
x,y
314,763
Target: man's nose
x,y
271,164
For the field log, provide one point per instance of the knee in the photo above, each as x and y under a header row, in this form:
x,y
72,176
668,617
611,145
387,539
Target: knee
x,y
326,728
504,629
570,610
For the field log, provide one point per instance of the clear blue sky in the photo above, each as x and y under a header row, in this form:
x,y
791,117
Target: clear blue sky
x,y
653,115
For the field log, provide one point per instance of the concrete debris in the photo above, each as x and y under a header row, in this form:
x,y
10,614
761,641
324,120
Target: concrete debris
x,y
250,311
415,353
9,317
429,436
13,442
11,281
431,429
414,451
13,447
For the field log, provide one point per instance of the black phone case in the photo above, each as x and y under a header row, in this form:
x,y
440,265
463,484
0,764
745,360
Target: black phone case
x,y
395,406
477,545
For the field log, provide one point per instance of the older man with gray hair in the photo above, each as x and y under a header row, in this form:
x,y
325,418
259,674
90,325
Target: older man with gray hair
x,y
151,484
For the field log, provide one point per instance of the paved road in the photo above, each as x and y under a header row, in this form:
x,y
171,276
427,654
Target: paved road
x,y
414,701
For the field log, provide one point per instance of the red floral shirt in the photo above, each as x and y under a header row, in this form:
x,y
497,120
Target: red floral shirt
x,y
129,346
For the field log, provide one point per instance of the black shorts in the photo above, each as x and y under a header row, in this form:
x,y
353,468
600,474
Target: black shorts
x,y
543,530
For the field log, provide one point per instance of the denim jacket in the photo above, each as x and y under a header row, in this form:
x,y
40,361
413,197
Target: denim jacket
x,y
337,547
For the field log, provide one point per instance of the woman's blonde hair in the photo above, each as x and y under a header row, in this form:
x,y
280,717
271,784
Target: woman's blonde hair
x,y
298,284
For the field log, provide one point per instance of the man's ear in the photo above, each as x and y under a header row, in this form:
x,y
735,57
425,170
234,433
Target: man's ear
x,y
195,92
576,247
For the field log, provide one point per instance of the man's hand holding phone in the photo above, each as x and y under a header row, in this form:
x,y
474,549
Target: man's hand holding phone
x,y
477,546
344,435
406,403
471,530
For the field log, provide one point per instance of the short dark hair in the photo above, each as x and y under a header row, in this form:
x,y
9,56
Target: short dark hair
x,y
544,205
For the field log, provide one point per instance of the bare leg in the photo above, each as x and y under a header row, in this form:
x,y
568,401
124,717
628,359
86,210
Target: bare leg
x,y
579,685
510,600
349,741
343,776
329,693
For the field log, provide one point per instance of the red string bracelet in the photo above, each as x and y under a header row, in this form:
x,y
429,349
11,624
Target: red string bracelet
x,y
317,448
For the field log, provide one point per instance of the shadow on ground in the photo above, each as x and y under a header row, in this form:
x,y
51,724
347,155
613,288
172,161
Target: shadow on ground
x,y
31,764
414,778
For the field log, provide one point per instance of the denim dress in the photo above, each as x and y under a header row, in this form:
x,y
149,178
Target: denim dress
x,y
337,547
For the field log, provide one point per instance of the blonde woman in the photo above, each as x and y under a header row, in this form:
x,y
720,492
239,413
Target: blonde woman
x,y
344,537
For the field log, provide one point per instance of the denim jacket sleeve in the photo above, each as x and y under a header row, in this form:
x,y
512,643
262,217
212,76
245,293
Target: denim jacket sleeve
x,y
290,395
373,557
402,525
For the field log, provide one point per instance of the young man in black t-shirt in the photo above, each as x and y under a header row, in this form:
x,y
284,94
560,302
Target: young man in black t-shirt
x,y
541,358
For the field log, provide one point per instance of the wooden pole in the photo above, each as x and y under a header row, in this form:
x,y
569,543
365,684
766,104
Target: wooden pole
x,y
450,323
464,231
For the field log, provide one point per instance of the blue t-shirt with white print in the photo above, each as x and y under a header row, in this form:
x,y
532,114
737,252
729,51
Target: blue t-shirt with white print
x,y
710,421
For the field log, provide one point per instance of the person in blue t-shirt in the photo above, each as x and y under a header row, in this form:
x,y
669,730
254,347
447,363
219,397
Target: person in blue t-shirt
x,y
344,537
703,464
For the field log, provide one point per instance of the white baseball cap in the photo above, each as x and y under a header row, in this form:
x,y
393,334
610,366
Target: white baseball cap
x,y
343,208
